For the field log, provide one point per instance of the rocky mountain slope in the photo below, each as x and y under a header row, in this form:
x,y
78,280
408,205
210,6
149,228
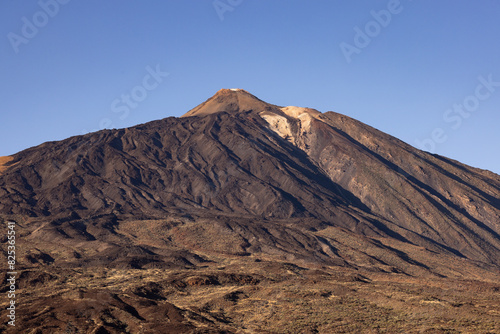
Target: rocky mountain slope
x,y
238,178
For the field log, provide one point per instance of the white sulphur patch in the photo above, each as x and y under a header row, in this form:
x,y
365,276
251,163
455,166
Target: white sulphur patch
x,y
304,115
281,126
278,124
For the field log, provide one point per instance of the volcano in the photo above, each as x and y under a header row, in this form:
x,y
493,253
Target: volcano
x,y
179,224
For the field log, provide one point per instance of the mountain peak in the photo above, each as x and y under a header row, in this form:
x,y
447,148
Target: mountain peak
x,y
234,91
229,100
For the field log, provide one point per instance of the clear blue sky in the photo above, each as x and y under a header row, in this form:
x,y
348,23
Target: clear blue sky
x,y
64,70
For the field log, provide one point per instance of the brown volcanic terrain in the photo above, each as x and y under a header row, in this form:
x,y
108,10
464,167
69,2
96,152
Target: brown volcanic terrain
x,y
246,217
3,162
